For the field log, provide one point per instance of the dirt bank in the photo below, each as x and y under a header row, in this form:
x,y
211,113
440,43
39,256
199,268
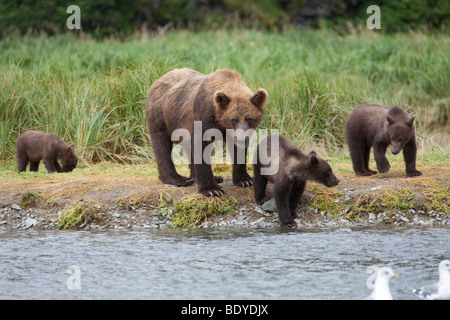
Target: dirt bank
x,y
129,201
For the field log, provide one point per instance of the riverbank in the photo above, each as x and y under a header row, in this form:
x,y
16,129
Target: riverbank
x,y
145,218
110,196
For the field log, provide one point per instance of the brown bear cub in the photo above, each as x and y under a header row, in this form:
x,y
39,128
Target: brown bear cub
x,y
186,99
294,168
378,126
34,146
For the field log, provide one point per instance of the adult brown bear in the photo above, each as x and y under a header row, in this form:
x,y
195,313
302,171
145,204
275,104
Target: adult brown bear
x,y
184,98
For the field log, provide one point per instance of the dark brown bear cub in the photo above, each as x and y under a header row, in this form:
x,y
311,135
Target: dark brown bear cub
x,y
293,170
34,146
184,100
378,126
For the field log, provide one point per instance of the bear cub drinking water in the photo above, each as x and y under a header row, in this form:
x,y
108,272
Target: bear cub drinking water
x,y
294,169
378,126
33,146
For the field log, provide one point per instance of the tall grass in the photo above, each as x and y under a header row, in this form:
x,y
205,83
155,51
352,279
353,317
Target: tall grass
x,y
93,93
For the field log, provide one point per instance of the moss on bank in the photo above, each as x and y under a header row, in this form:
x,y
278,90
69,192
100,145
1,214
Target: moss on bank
x,y
83,213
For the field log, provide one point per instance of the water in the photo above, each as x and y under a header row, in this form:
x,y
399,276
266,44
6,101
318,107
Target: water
x,y
199,264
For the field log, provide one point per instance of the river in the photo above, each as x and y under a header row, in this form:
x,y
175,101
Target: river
x,y
219,264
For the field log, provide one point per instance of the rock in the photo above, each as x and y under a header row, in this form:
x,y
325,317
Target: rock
x,y
404,219
16,207
330,224
257,221
372,216
420,201
269,206
30,222
259,210
428,223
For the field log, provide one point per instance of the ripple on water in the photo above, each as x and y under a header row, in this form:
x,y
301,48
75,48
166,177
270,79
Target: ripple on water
x,y
233,264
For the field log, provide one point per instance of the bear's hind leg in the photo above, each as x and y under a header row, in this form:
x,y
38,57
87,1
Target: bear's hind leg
x,y
162,148
357,153
282,193
366,161
22,161
296,194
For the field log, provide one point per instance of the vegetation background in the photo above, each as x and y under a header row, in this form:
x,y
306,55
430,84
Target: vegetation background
x,y
317,59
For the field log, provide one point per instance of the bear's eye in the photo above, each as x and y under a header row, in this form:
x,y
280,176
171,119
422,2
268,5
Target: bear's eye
x,y
234,121
248,119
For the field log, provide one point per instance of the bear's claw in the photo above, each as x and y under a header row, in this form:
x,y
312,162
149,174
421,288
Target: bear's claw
x,y
244,183
213,192
413,173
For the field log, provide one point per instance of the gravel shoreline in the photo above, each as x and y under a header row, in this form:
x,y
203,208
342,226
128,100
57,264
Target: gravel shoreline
x,y
144,217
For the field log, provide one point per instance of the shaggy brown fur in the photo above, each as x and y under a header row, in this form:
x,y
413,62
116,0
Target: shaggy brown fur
x,y
34,146
380,126
220,100
294,169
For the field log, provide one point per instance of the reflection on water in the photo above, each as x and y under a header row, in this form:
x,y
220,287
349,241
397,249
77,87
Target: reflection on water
x,y
199,264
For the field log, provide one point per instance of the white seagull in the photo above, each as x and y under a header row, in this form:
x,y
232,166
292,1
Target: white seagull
x,y
381,289
439,290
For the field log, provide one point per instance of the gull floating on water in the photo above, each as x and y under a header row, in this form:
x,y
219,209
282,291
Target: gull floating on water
x,y
381,289
439,290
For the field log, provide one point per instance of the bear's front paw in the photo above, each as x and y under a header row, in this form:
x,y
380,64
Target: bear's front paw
x,y
213,192
365,173
413,173
289,224
244,182
178,181
218,179
383,167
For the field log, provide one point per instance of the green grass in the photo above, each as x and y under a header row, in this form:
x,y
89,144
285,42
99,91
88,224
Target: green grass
x,y
84,212
92,93
195,209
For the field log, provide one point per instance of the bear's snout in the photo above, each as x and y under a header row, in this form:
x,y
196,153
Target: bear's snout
x,y
241,141
332,182
242,136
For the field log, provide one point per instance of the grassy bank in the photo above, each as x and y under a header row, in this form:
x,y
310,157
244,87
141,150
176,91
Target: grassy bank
x,y
93,93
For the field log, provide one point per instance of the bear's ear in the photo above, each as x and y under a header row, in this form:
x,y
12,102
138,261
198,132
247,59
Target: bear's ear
x,y
313,153
71,148
410,121
390,120
259,98
314,161
221,99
